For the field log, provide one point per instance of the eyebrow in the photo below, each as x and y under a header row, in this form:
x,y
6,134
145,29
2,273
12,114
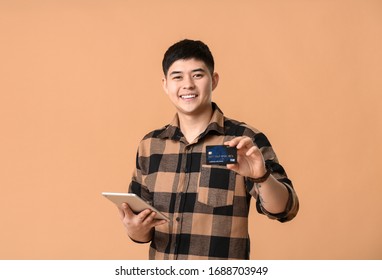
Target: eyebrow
x,y
193,71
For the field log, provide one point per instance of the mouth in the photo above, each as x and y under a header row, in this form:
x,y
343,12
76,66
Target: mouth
x,y
188,96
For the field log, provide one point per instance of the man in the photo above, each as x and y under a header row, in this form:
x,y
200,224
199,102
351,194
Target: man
x,y
208,204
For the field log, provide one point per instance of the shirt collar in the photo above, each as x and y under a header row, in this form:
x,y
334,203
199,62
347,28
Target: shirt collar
x,y
172,130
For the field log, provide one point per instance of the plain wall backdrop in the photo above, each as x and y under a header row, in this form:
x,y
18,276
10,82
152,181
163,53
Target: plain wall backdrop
x,y
80,84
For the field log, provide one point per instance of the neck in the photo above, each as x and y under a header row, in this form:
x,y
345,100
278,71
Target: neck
x,y
192,126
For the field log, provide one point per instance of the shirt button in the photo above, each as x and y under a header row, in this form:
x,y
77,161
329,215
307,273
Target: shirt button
x,y
177,219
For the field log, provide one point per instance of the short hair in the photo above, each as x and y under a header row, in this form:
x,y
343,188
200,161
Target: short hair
x,y
188,49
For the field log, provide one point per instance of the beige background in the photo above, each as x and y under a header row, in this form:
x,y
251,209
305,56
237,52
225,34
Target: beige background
x,y
80,85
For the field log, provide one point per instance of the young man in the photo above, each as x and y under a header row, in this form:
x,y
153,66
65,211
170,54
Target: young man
x,y
208,204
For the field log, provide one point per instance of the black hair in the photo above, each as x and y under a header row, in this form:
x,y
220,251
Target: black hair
x,y
187,49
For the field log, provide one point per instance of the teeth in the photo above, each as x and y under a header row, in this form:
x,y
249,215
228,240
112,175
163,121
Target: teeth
x,y
188,96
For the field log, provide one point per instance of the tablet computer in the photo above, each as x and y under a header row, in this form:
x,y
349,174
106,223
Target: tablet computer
x,y
136,203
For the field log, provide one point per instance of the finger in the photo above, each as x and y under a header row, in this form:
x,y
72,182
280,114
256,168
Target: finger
x,y
151,221
149,218
121,213
233,167
159,222
143,215
245,142
253,151
240,142
127,210
233,142
122,210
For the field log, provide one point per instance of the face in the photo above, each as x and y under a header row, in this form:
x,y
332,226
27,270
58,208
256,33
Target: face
x,y
189,85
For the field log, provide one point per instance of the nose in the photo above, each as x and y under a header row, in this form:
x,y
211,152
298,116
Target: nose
x,y
188,82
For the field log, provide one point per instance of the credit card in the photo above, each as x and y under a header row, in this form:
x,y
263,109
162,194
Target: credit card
x,y
221,154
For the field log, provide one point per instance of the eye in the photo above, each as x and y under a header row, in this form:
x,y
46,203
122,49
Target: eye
x,y
198,75
177,78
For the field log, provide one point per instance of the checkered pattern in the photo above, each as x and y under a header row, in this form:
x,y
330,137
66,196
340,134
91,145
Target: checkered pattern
x,y
208,205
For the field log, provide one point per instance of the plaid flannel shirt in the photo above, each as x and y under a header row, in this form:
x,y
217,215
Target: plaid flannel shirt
x,y
208,205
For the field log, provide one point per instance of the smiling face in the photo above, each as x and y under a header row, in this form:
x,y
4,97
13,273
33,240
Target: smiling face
x,y
189,85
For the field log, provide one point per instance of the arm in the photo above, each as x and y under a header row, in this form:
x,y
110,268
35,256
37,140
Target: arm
x,y
273,194
139,227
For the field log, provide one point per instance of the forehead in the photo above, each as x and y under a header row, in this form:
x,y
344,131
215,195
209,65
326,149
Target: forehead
x,y
187,65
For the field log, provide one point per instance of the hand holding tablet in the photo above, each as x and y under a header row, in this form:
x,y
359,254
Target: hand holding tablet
x,y
136,203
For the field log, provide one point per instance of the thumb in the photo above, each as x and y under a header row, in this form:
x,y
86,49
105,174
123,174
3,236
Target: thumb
x,y
233,167
125,210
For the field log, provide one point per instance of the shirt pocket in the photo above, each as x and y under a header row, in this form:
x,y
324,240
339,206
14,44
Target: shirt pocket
x,y
216,186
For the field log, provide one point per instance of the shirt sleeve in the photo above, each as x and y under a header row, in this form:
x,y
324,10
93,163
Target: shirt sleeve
x,y
136,186
279,173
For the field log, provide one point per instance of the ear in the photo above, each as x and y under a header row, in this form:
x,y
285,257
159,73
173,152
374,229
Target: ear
x,y
164,85
215,80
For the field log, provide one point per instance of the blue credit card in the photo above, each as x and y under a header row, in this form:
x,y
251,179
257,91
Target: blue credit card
x,y
221,154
